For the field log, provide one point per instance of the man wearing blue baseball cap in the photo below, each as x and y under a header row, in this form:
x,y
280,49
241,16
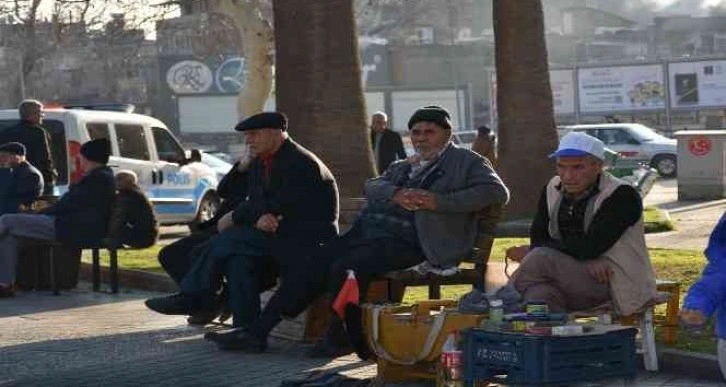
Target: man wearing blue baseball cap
x,y
587,240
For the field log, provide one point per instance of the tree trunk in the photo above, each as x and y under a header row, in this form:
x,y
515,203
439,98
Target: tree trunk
x,y
256,36
527,132
318,85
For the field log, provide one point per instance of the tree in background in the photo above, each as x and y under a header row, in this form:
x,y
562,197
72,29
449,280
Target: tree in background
x,y
527,131
318,85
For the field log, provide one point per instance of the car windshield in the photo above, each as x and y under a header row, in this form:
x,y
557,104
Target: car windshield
x,y
643,132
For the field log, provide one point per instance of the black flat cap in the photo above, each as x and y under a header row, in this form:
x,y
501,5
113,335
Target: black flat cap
x,y
14,148
264,120
435,114
97,150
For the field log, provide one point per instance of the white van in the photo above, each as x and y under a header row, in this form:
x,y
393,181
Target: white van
x,y
181,190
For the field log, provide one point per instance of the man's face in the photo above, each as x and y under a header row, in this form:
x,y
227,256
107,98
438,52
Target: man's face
x,y
429,139
10,160
261,141
578,173
36,116
378,123
5,160
86,165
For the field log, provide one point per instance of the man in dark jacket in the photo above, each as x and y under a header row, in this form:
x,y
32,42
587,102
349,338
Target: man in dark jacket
x,y
134,221
387,145
290,209
36,140
78,219
20,182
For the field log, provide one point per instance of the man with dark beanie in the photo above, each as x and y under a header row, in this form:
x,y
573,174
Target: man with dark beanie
x,y
420,211
291,207
78,219
20,182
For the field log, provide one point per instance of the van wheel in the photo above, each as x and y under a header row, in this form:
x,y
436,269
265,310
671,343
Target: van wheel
x,y
207,208
666,165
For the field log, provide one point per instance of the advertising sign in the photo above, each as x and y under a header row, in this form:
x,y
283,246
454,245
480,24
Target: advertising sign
x,y
698,84
622,88
563,91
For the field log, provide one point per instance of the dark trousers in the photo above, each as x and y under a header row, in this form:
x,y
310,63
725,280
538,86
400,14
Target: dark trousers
x,y
240,254
178,257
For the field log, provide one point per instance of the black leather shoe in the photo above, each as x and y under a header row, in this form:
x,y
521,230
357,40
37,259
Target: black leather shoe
x,y
176,304
238,340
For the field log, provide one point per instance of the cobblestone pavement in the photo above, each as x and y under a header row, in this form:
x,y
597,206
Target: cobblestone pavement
x,y
90,339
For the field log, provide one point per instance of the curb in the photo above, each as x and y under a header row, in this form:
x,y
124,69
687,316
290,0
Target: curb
x,y
697,206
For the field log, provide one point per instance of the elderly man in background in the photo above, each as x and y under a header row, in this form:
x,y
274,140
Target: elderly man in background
x,y
386,143
587,239
36,140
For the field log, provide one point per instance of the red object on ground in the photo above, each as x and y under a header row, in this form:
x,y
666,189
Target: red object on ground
x,y
349,294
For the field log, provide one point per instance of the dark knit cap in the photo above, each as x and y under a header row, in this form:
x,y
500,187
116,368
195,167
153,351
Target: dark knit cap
x,y
435,114
97,150
15,148
265,120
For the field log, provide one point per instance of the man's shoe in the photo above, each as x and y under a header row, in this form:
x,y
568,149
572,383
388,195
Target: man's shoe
x,y
202,318
7,291
214,335
238,340
176,304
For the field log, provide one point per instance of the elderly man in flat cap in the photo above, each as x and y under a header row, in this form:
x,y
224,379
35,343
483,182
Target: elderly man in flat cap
x,y
20,182
421,210
78,219
290,209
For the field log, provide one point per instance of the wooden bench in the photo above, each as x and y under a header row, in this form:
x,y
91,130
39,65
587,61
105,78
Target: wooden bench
x,y
394,283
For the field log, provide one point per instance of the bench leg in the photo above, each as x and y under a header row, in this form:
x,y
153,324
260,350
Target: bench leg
x,y
114,270
434,292
96,270
53,271
395,291
647,336
671,323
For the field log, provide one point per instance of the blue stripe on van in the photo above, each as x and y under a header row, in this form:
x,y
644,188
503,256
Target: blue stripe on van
x,y
202,186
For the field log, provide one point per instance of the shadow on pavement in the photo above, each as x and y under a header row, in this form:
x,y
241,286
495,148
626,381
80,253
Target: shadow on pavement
x,y
31,302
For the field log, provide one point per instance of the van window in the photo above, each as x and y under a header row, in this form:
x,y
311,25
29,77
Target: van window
x,y
132,141
58,148
97,130
166,146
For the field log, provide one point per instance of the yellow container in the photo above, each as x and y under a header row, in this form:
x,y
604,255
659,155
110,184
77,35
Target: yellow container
x,y
407,339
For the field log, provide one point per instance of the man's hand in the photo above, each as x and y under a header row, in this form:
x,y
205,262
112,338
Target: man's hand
x,y
225,222
404,198
268,222
423,200
517,253
600,270
692,317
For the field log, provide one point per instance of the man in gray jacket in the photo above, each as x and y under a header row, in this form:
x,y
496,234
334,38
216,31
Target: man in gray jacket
x,y
422,209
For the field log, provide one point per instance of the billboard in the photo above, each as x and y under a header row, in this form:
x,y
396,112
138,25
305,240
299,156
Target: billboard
x,y
563,91
621,88
698,84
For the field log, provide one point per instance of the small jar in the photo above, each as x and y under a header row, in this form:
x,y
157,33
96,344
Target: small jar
x,y
537,308
496,311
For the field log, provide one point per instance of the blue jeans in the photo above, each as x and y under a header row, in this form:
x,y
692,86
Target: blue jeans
x,y
238,254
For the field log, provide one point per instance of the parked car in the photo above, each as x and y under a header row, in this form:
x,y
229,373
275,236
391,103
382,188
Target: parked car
x,y
181,189
219,166
635,142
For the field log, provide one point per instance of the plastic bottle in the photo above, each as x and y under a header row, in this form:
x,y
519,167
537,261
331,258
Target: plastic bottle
x,y
450,370
496,311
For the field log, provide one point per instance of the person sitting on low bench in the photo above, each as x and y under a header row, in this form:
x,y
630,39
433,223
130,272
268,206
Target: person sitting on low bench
x,y
20,182
134,222
78,219
587,239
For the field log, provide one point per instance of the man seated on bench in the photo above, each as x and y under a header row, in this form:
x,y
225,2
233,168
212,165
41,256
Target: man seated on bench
x,y
420,209
587,239
20,182
134,222
78,219
291,207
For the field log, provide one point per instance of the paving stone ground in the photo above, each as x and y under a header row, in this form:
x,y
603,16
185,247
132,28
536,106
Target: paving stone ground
x,y
83,338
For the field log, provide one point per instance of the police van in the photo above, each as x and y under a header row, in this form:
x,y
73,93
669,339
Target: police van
x,y
182,190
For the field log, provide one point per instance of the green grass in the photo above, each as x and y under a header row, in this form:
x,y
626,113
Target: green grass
x,y
143,259
656,220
